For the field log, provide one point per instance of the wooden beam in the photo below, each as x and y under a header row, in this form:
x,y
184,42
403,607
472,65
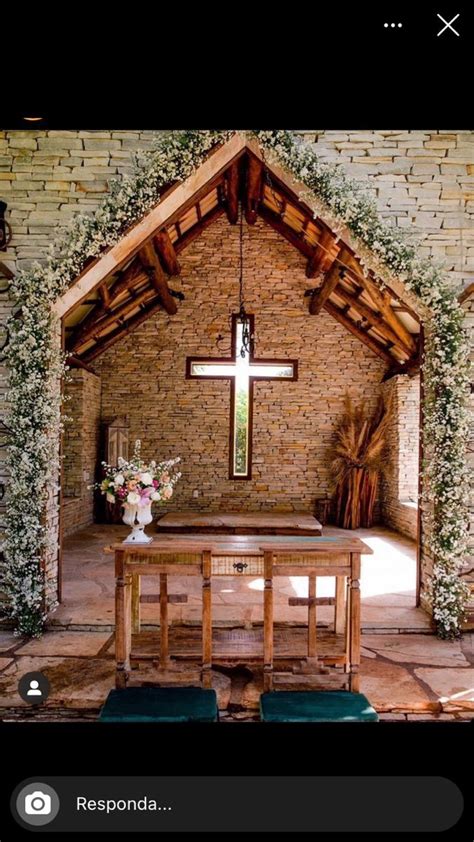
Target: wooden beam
x,y
411,367
5,271
466,293
75,362
124,330
321,295
115,316
253,189
104,294
149,259
324,255
364,337
372,317
274,220
381,300
165,249
232,179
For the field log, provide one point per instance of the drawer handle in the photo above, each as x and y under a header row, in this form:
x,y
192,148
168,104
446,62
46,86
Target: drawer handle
x,y
239,566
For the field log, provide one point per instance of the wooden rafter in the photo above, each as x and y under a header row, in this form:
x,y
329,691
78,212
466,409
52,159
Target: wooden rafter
x,y
410,367
232,179
324,255
351,326
372,317
166,251
150,262
330,282
253,189
153,307
466,293
381,300
133,275
115,316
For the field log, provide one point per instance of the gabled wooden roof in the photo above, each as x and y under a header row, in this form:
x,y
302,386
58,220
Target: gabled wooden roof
x,y
134,280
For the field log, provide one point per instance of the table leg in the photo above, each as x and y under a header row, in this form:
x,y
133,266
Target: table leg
x,y
123,636
339,622
268,623
354,648
164,642
136,593
312,617
206,675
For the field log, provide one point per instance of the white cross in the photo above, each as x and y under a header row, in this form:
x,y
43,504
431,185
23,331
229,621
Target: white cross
x,y
242,371
448,25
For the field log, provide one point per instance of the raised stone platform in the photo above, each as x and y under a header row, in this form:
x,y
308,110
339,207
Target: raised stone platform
x,y
236,523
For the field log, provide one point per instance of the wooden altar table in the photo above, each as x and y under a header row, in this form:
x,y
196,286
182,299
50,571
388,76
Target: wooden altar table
x,y
240,523
207,556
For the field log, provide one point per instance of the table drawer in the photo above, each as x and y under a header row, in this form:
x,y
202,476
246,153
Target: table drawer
x,y
237,565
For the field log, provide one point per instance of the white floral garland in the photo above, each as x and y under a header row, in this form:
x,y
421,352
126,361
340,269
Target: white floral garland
x,y
36,363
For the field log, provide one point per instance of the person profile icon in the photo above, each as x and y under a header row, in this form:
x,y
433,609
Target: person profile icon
x,y
34,689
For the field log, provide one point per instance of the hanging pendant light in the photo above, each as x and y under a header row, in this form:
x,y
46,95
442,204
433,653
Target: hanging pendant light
x,y
247,337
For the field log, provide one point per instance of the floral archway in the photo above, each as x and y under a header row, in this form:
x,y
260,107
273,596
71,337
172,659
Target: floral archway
x,y
37,363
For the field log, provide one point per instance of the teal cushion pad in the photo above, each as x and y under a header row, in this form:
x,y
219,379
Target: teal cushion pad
x,y
316,706
160,704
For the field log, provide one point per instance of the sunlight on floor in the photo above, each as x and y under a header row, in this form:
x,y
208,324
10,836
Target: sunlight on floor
x,y
392,569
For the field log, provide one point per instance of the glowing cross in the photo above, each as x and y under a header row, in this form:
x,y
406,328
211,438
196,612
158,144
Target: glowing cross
x,y
242,372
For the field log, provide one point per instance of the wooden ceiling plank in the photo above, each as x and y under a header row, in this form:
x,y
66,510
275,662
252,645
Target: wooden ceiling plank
x,y
381,300
114,316
364,337
150,262
372,317
153,307
191,234
288,233
324,255
253,189
167,253
329,284
232,180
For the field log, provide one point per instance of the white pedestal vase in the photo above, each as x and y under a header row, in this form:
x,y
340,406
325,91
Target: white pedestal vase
x,y
137,517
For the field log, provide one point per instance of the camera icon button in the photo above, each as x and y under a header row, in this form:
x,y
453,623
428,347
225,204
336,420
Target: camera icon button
x,y
37,803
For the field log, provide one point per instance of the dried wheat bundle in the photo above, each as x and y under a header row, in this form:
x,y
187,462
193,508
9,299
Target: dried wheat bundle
x,y
358,456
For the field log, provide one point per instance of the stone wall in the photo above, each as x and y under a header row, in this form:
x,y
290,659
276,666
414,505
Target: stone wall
x,y
294,422
400,478
80,449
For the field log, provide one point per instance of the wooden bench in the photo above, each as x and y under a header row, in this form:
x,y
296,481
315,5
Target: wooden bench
x,y
239,523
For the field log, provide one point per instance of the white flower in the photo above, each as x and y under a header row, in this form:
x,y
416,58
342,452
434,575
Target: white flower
x,y
133,498
146,478
110,498
119,479
155,496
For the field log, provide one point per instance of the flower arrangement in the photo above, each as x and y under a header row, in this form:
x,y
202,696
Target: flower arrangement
x,y
139,483
36,361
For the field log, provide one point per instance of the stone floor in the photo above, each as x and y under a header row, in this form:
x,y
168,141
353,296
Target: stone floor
x,y
406,672
387,587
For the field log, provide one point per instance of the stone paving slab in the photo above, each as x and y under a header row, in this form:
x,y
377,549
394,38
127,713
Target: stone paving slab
x,y
7,640
417,649
5,662
74,682
454,687
78,644
390,687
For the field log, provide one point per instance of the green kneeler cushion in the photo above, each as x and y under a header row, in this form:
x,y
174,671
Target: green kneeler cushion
x,y
316,706
160,704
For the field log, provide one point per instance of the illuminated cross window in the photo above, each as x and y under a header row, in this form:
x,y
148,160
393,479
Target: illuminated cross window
x,y
242,372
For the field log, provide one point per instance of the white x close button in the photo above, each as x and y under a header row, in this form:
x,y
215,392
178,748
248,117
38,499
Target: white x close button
x,y
448,25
